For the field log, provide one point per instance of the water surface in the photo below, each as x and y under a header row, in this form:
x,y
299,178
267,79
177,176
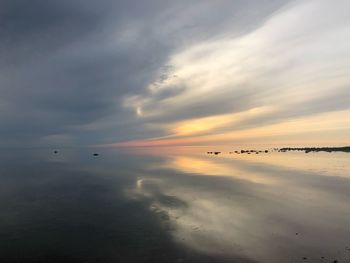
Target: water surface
x,y
173,205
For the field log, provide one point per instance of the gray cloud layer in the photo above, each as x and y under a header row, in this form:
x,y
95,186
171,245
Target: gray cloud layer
x,y
67,68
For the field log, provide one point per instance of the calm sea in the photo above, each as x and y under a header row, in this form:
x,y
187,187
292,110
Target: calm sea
x,y
173,205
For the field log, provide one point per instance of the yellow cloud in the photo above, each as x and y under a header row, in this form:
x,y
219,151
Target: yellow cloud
x,y
317,127
206,124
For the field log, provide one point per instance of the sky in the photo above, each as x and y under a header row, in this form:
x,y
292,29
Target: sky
x,y
187,72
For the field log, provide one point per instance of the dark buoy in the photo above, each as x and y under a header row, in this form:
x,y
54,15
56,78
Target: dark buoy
x,y
55,152
96,154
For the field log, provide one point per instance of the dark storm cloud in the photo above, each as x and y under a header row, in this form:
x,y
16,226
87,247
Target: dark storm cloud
x,y
66,66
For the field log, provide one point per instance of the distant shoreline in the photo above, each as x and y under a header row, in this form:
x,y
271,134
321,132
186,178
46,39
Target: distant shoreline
x,y
317,149
287,149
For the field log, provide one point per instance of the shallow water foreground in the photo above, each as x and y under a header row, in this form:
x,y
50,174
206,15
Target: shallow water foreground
x,y
173,205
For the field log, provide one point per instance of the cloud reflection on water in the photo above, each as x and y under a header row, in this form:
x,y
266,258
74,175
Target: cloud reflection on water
x,y
271,208
173,205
